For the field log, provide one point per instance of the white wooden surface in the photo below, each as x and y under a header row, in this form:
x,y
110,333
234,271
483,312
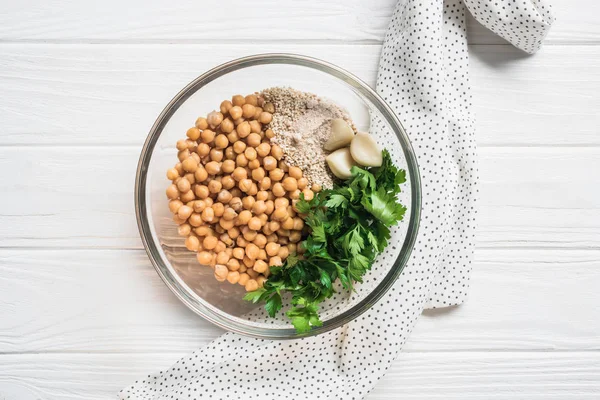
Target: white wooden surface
x,y
82,312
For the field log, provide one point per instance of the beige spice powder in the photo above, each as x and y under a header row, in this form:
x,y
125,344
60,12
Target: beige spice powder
x,y
302,124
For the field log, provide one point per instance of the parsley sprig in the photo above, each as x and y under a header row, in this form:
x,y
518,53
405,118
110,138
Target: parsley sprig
x,y
349,226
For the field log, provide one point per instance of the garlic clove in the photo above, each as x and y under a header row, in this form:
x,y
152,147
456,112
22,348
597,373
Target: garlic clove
x,y
365,151
341,135
340,162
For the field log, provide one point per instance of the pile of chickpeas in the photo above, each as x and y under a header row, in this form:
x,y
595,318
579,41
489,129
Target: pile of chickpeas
x,y
234,197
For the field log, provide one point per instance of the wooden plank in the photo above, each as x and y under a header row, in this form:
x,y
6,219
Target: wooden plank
x,y
83,197
309,20
113,301
111,94
520,375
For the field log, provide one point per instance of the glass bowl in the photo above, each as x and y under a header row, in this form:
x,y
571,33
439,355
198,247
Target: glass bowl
x,y
221,302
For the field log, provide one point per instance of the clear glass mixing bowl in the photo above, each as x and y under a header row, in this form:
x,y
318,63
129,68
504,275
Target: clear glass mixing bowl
x,y
221,302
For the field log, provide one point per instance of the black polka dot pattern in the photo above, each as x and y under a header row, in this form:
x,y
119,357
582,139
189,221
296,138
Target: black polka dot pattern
x,y
423,75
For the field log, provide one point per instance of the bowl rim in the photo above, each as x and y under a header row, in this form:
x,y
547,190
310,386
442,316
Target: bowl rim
x,y
171,278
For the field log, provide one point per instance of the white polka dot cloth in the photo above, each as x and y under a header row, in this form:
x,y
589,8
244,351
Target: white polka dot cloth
x,y
423,75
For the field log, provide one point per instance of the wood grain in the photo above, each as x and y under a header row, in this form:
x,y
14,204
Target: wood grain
x,y
83,197
457,376
111,94
103,301
269,20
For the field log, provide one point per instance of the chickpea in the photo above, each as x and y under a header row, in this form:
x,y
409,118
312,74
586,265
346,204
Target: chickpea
x,y
218,209
238,100
208,201
216,155
249,263
283,233
229,214
315,188
308,194
181,145
257,112
264,183
193,133
252,99
278,190
244,217
261,280
269,163
218,228
235,203
263,149
224,196
201,191
269,134
172,192
248,111
295,194
265,117
281,202
254,164
260,240
227,240
274,226
295,236
203,149
184,229
208,215
189,165
195,156
252,251
251,285
260,266
264,218
214,186
236,192
243,129
192,243
266,230
226,224
207,136
195,220
270,205
187,196
245,185
239,174
244,278
210,242
276,152
204,231
221,141
255,127
254,223
214,118
249,234
174,205
238,253
201,123
204,257
221,272
178,220
272,248
253,189
276,174
222,258
283,253
233,264
241,160
184,212
275,261
200,175
179,168
235,112
292,248
199,206
233,232
262,195
227,166
250,154
213,168
295,172
172,174
288,223
253,140
302,183
283,165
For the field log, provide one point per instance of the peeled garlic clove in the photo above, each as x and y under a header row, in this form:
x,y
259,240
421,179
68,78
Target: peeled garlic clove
x,y
340,162
341,135
365,151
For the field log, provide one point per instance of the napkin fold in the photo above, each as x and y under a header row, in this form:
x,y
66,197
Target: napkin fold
x,y
424,76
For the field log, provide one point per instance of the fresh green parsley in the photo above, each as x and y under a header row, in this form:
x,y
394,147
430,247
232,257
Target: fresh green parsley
x,y
349,226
